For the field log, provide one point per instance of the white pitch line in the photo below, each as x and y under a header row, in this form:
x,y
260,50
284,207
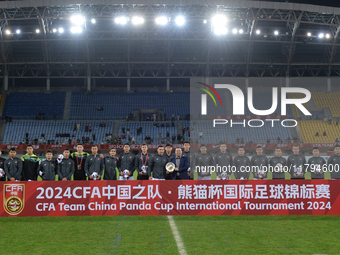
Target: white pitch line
x,y
178,239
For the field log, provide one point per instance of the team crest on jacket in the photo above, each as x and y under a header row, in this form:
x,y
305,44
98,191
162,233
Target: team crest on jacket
x,y
14,198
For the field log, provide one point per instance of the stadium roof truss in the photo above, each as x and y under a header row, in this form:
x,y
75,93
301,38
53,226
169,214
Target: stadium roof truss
x,y
106,49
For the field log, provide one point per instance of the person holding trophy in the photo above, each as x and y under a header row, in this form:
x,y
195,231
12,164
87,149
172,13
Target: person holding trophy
x,y
260,162
142,163
126,163
296,163
181,165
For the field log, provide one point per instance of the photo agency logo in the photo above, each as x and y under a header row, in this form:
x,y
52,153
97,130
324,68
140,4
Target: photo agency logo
x,y
238,102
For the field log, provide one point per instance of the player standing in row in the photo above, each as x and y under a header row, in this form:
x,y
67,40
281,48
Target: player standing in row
x,y
202,163
2,168
142,161
333,163
169,155
315,165
126,163
65,168
30,164
79,157
278,164
241,162
48,168
186,153
296,164
224,160
260,162
111,164
94,165
13,166
157,165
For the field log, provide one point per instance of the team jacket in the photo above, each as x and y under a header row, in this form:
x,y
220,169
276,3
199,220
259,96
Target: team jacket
x,y
315,163
94,164
259,162
2,166
139,162
13,168
110,168
191,158
157,166
65,169
126,161
241,162
202,161
334,170
223,160
30,166
49,169
278,163
294,162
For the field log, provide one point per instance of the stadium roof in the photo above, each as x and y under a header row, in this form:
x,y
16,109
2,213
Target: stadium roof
x,y
260,39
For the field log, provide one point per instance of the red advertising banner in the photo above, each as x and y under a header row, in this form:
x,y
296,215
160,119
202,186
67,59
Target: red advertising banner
x,y
248,146
246,197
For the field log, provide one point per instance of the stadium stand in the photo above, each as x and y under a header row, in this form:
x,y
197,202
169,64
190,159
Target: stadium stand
x,y
225,133
27,105
327,100
118,105
16,130
295,109
148,129
308,130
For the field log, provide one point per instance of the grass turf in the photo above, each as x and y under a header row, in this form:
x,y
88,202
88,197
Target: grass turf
x,y
153,235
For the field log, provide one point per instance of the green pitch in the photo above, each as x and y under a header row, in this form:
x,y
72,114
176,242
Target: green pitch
x,y
153,235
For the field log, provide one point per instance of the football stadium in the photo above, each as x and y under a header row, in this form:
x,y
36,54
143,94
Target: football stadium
x,y
169,127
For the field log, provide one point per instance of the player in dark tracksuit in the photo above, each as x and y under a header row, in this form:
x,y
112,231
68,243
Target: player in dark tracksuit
x,y
65,168
224,160
296,164
94,164
260,162
241,162
191,157
79,158
2,168
30,164
202,163
278,164
13,166
157,165
126,161
48,168
316,164
169,155
333,163
142,161
110,164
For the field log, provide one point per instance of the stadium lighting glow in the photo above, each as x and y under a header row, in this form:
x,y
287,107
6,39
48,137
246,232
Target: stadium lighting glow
x,y
180,21
309,34
18,31
93,21
161,20
54,30
220,30
276,32
37,31
328,36
77,19
205,21
61,30
321,35
218,23
121,20
137,20
241,31
76,30
258,31
234,31
8,32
